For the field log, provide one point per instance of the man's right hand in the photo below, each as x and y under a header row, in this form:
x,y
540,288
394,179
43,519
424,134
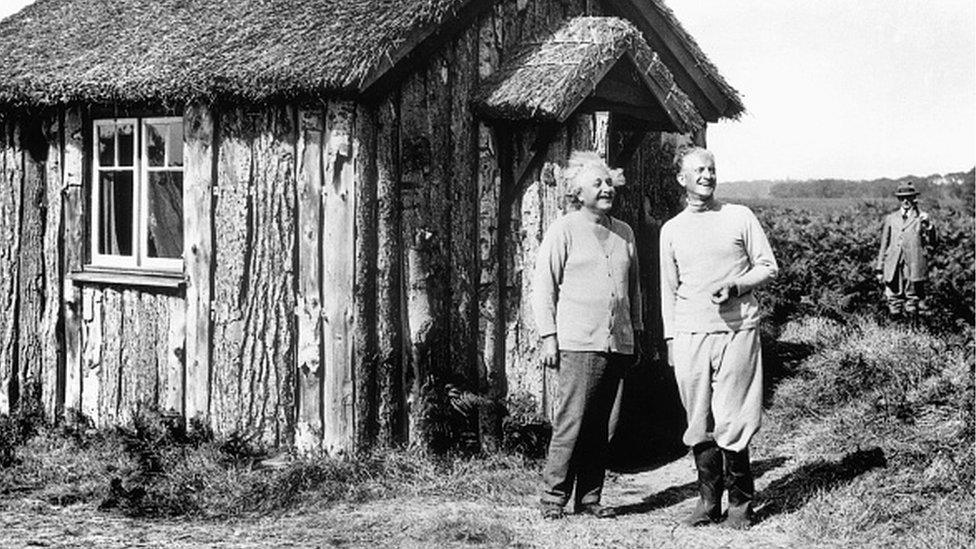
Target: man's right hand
x,y
670,345
879,276
549,355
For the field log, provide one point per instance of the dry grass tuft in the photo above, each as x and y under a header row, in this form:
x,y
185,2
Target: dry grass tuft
x,y
905,394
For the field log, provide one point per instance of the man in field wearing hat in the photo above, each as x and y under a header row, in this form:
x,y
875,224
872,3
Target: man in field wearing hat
x,y
712,256
587,305
901,264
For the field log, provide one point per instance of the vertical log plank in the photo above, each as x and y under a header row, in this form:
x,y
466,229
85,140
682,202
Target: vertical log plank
x,y
491,359
10,198
109,378
364,322
464,270
91,326
52,376
172,351
388,264
73,258
254,298
30,272
338,253
308,431
198,222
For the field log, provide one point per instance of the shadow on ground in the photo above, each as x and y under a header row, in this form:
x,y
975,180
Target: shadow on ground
x,y
676,494
793,491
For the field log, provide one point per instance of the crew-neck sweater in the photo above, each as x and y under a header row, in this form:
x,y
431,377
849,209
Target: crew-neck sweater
x,y
701,248
585,288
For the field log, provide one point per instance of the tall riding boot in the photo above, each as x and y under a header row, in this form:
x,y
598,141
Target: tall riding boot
x,y
739,481
708,461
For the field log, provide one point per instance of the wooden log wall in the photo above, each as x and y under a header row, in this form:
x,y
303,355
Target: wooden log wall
x,y
252,367
10,198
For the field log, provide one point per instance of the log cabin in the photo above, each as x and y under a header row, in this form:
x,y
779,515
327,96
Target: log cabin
x,y
293,219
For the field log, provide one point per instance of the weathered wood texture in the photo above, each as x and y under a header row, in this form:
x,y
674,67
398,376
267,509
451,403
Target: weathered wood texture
x,y
389,322
10,199
308,430
73,257
130,365
252,389
338,260
464,195
198,230
52,341
30,271
490,358
364,322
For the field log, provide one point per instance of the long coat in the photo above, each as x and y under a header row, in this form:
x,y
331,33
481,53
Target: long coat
x,y
905,239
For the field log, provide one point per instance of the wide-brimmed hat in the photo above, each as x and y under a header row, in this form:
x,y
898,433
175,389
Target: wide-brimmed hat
x,y
906,189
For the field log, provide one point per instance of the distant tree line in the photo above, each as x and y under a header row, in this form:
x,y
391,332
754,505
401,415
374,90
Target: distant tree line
x,y
955,187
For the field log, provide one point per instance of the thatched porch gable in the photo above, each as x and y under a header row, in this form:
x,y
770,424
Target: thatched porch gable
x,y
551,75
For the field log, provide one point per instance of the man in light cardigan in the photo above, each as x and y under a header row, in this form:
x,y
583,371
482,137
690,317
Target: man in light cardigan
x,y
587,304
712,256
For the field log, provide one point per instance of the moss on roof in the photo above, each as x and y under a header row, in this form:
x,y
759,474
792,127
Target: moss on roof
x,y
550,75
61,51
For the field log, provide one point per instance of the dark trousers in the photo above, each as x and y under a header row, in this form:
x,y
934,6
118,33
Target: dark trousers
x,y
578,450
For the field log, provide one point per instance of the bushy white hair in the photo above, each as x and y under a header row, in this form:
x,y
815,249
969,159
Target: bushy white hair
x,y
580,160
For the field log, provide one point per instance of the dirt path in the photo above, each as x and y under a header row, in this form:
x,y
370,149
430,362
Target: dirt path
x,y
650,506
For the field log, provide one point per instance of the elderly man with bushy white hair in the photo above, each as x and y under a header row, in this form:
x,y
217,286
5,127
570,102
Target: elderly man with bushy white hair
x,y
587,303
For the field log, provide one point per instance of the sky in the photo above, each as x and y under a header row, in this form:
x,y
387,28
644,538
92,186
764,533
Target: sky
x,y
840,88
836,88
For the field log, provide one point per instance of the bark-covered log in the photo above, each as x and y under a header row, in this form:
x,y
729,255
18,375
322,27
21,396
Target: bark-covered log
x,y
490,322
52,359
389,322
364,323
308,431
254,300
422,325
73,248
464,272
10,197
30,272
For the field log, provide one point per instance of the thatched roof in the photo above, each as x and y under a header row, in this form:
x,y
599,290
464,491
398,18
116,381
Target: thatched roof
x,y
59,51
734,107
551,75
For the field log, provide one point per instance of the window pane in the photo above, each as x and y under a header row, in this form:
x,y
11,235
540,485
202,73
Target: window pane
x,y
115,213
165,214
126,144
175,143
156,144
106,145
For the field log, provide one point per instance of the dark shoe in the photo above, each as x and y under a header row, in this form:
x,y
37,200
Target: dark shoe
x,y
552,511
596,510
739,480
708,462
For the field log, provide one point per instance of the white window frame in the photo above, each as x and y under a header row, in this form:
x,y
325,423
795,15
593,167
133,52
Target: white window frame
x,y
140,198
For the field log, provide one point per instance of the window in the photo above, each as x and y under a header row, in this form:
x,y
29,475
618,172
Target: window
x,y
137,194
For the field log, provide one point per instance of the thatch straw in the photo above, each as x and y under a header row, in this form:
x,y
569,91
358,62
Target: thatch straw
x,y
735,108
61,51
549,76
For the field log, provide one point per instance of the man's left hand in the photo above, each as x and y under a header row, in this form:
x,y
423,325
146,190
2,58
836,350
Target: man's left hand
x,y
723,292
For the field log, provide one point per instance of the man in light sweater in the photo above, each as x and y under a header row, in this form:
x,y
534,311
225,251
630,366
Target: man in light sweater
x,y
587,304
712,256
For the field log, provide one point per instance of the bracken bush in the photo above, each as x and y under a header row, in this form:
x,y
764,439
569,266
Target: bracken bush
x,y
826,260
